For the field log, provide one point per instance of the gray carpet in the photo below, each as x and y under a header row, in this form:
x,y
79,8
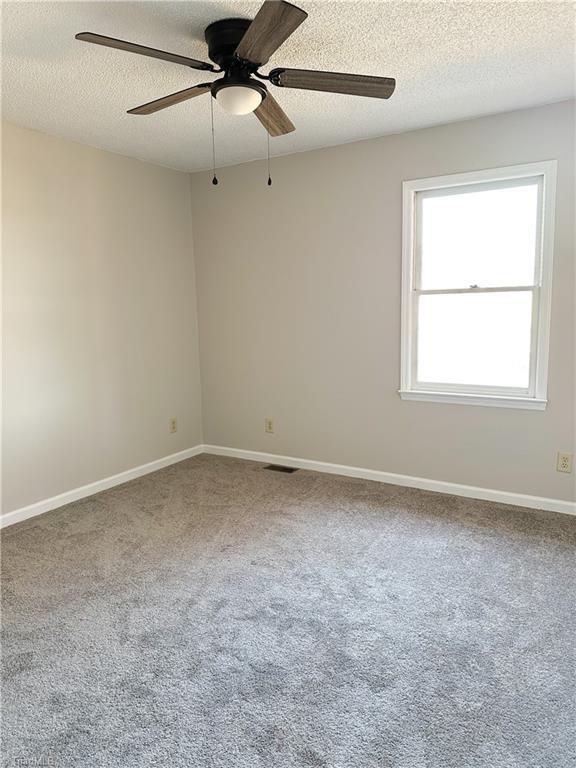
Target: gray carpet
x,y
217,615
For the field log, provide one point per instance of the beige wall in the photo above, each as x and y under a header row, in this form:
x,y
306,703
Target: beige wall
x,y
299,309
100,336
299,288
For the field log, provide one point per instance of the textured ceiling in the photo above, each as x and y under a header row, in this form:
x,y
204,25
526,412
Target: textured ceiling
x,y
452,61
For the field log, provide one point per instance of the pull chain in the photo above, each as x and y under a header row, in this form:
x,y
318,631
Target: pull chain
x,y
269,177
214,179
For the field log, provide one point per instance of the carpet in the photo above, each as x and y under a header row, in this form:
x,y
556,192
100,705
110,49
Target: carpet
x,y
218,615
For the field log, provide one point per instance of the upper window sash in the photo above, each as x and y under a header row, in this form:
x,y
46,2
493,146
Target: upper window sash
x,y
420,195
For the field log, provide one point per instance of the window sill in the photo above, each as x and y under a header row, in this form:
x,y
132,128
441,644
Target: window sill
x,y
498,401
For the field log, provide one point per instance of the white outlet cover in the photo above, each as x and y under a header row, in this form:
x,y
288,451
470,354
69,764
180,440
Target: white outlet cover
x,y
564,462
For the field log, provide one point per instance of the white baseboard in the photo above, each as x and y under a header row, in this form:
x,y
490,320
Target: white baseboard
x,y
469,491
39,507
456,489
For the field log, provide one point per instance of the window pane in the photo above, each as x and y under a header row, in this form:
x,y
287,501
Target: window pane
x,y
485,238
475,338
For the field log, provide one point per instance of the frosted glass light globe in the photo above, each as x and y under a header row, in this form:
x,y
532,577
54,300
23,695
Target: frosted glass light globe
x,y
238,100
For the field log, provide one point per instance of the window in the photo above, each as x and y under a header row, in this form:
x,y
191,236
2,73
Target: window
x,y
477,270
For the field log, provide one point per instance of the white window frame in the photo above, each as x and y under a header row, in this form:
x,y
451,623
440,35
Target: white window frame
x,y
535,395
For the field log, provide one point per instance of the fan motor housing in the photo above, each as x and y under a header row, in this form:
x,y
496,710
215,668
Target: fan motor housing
x,y
223,37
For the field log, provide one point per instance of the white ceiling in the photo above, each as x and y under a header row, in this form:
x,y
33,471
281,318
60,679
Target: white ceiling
x,y
452,61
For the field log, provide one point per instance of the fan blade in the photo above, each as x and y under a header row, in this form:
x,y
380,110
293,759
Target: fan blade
x,y
123,45
334,82
273,117
167,101
272,25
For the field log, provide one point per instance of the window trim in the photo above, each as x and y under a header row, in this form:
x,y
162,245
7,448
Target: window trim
x,y
535,397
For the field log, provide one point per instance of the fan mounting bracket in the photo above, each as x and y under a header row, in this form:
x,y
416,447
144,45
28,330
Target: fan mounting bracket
x,y
223,37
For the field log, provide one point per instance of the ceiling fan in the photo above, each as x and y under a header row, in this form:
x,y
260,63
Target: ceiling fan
x,y
239,47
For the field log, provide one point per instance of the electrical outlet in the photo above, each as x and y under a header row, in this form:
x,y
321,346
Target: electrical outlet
x,y
564,462
173,425
269,426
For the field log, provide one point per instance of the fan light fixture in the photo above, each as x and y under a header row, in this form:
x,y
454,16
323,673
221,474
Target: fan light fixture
x,y
239,99
239,96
